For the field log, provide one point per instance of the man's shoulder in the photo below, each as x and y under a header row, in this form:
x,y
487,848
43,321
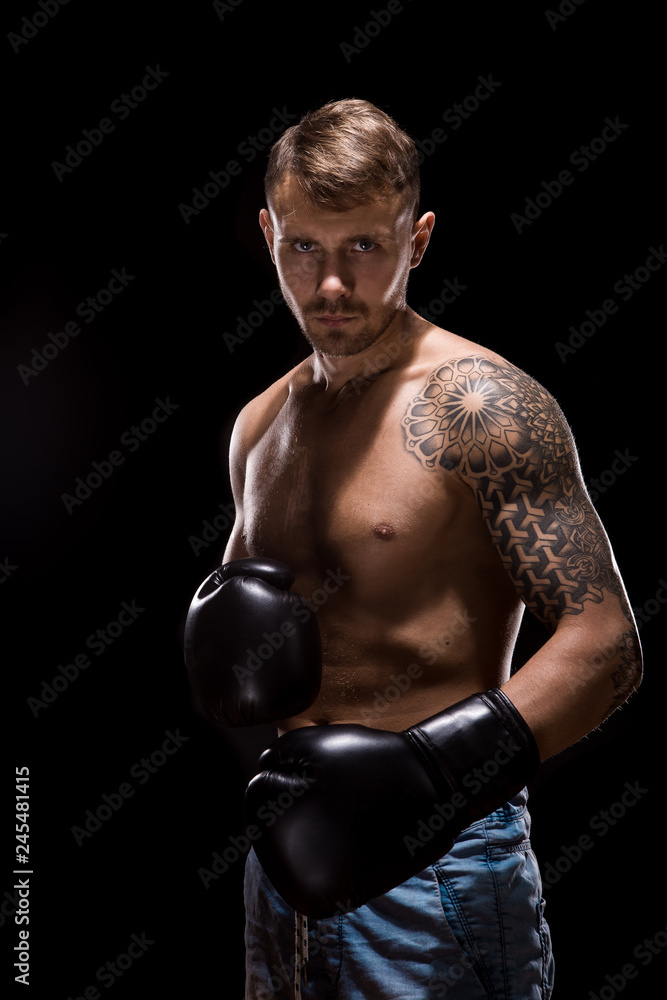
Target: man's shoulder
x,y
256,416
437,345
480,414
452,361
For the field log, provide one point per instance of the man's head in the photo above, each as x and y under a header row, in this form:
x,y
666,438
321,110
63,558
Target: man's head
x,y
342,224
345,154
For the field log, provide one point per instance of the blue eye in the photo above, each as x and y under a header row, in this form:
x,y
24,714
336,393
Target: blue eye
x,y
361,246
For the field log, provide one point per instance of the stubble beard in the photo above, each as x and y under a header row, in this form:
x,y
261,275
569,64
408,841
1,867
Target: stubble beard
x,y
340,344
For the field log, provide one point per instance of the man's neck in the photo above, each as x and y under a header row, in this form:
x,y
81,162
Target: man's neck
x,y
391,350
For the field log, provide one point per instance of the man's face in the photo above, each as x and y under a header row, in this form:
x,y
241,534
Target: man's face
x,y
344,274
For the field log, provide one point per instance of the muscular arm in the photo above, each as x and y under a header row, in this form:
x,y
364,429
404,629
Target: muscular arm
x,y
508,441
236,547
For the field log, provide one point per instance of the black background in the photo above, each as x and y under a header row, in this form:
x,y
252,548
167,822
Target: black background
x,y
135,537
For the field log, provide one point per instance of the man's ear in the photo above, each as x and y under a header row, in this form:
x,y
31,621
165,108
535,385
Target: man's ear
x,y
421,234
267,229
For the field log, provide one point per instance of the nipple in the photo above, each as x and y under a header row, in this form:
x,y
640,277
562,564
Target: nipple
x,y
384,532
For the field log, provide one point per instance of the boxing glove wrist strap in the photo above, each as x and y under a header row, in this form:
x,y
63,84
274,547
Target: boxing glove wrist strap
x,y
481,748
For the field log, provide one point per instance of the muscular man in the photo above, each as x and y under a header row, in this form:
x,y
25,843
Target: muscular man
x,y
423,490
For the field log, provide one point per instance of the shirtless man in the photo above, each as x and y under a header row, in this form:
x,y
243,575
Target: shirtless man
x,y
439,486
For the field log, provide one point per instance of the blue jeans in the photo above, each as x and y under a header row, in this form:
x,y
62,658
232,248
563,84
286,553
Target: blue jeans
x,y
469,927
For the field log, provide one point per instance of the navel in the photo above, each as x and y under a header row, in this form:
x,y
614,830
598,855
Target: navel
x,y
384,532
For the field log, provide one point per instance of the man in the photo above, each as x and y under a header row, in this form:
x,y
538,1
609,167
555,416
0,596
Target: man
x,y
422,490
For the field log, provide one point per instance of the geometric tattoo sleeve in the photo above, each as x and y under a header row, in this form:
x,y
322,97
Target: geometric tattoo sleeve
x,y
507,438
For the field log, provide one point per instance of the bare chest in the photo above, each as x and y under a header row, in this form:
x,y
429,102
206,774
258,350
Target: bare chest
x,y
330,483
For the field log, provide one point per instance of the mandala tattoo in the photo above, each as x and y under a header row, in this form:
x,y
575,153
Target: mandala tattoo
x,y
507,438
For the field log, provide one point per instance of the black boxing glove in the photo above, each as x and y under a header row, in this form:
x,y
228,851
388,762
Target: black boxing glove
x,y
362,810
252,648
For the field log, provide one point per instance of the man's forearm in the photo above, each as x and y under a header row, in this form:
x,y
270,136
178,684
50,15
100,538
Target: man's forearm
x,y
589,667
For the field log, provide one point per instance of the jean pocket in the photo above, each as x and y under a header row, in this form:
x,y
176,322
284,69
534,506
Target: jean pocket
x,y
497,852
463,925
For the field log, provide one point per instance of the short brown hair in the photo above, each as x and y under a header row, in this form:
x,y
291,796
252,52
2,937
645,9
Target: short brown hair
x,y
346,153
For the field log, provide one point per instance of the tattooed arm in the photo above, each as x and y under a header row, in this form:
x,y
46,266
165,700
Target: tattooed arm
x,y
507,439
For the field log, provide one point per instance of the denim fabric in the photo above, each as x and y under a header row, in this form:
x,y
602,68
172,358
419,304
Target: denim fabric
x,y
469,927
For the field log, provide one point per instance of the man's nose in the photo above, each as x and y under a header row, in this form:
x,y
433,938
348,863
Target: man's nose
x,y
335,279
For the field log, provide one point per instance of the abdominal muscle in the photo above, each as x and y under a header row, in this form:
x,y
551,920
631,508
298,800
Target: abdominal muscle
x,y
391,674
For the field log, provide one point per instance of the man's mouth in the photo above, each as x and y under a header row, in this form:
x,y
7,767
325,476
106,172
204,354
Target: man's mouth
x,y
334,321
